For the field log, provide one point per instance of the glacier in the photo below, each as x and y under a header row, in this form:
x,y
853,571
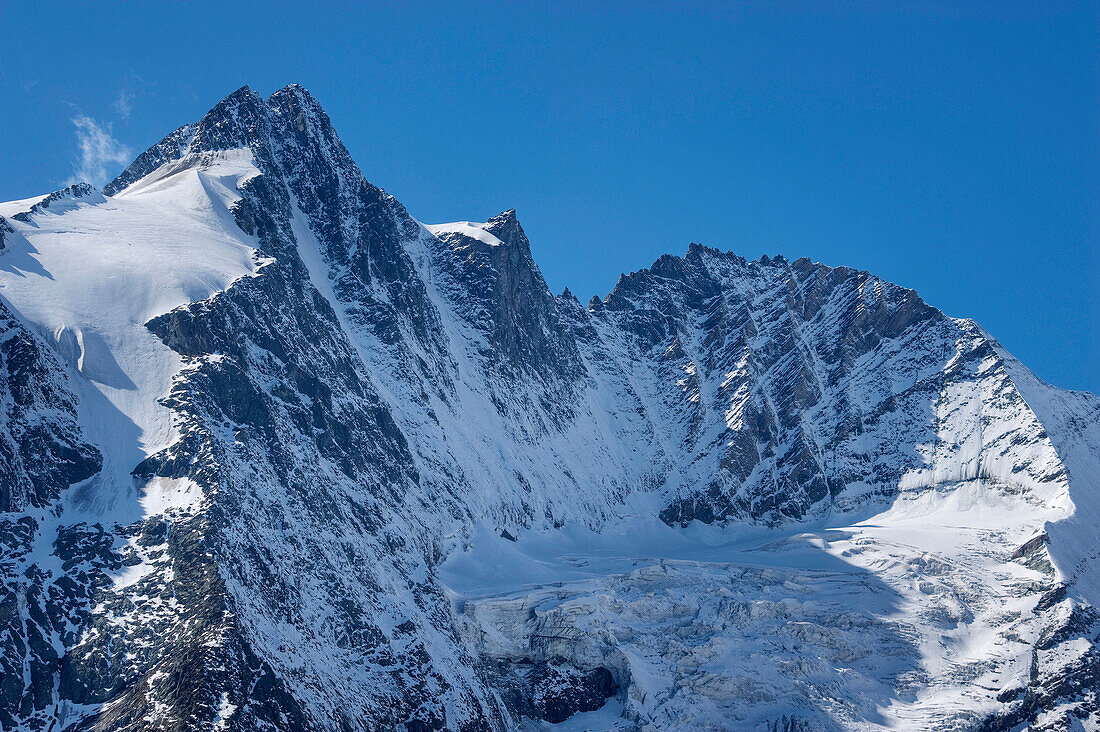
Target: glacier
x,y
275,455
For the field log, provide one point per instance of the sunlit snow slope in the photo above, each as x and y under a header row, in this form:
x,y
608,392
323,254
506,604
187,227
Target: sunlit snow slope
x,y
276,456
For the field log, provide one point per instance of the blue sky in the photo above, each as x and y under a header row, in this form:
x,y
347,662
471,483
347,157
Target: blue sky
x,y
955,150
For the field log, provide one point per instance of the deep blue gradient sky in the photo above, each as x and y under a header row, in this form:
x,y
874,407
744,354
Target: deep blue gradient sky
x,y
952,150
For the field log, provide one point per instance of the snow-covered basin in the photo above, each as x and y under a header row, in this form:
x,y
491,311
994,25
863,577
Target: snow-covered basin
x,y
942,521
935,562
491,564
88,274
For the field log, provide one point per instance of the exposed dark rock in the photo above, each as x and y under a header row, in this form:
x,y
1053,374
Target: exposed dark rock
x,y
41,452
76,191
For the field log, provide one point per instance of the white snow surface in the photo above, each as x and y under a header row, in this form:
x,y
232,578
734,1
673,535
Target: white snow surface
x,y
471,229
726,627
88,274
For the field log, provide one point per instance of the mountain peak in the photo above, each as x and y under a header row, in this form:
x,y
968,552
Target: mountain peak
x,y
296,91
293,88
294,100
231,123
567,296
241,119
506,227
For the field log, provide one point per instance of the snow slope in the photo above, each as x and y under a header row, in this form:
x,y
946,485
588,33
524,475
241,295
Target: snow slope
x,y
88,272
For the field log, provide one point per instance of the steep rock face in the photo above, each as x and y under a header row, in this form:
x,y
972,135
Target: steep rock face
x,y
795,387
331,503
41,452
510,300
311,542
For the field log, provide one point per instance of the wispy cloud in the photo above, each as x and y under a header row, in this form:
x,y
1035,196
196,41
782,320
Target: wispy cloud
x,y
98,151
123,105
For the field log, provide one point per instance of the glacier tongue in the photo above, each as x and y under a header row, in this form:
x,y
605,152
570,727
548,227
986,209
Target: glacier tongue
x,y
913,617
334,469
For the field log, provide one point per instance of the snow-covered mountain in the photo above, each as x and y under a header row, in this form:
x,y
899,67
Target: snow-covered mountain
x,y
274,455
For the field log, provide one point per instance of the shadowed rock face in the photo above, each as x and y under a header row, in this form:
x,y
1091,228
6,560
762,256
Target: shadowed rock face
x,y
345,416
40,448
515,306
773,347
41,454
